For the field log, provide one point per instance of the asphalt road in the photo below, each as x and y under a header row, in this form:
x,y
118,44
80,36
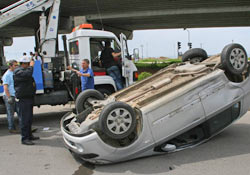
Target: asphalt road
x,y
226,154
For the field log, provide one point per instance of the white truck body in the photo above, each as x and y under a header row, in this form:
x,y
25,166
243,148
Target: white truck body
x,y
83,38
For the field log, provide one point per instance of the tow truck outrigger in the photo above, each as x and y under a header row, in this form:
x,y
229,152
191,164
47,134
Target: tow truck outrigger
x,y
55,84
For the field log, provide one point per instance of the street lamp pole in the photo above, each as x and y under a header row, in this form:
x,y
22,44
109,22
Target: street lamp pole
x,y
142,51
188,34
189,43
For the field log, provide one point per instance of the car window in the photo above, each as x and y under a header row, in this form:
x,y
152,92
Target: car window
x,y
236,110
74,48
115,46
95,47
224,118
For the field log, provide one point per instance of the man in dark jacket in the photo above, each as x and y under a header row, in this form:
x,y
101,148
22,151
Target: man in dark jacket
x,y
25,90
107,60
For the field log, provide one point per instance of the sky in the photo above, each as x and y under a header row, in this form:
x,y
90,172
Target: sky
x,y
157,43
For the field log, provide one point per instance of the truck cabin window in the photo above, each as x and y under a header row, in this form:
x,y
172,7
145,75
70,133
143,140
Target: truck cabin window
x,y
74,48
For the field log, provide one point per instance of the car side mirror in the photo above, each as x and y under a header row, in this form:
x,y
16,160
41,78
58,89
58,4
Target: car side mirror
x,y
99,54
136,54
129,57
75,66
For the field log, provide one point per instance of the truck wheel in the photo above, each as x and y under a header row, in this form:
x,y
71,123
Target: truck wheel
x,y
82,99
2,109
195,53
117,120
234,59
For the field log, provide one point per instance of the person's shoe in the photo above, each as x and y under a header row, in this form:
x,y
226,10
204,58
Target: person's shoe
x,y
14,131
34,138
33,130
27,142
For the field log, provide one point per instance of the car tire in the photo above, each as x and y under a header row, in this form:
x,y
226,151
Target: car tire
x,y
117,120
195,53
2,109
81,100
234,59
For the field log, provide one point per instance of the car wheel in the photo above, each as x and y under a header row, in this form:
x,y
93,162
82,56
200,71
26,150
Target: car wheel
x,y
82,99
117,120
194,54
234,59
2,109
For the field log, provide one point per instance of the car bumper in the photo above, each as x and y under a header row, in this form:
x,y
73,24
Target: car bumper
x,y
88,146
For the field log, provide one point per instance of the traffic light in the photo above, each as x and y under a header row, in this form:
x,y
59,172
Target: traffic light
x,y
190,45
179,45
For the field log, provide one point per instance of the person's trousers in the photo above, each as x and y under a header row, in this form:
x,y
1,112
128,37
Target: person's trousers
x,y
26,111
11,109
115,73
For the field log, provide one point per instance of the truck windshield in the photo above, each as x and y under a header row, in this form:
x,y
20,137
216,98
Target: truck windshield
x,y
115,46
74,48
97,45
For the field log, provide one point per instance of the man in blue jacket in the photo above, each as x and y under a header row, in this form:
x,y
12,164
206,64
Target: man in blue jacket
x,y
86,74
25,91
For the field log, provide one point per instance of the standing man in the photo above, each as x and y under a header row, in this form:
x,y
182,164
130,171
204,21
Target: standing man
x,y
107,60
31,55
36,57
25,90
86,74
9,96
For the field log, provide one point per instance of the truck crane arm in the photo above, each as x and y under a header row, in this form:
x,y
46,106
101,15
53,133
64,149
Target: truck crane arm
x,y
48,28
21,9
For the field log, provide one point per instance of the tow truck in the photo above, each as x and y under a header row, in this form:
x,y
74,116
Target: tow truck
x,y
55,84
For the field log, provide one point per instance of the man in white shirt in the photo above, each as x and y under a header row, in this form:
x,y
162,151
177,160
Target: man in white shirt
x,y
9,96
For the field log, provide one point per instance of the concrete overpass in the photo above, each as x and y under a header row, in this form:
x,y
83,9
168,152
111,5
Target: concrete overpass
x,y
128,15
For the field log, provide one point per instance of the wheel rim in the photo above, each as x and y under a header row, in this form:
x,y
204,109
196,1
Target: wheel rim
x,y
237,59
119,121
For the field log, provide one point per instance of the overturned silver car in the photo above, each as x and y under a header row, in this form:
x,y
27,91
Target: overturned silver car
x,y
179,107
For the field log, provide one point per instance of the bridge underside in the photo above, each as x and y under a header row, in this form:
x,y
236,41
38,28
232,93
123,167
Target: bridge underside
x,y
128,15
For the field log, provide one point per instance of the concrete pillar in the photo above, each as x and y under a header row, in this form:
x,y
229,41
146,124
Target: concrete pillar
x,y
2,58
78,20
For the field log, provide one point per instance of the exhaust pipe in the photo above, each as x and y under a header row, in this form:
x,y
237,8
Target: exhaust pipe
x,y
66,54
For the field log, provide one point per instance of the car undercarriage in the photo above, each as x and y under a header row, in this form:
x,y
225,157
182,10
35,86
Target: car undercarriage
x,y
179,107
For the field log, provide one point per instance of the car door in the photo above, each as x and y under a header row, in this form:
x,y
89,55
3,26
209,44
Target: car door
x,y
219,94
125,61
182,112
